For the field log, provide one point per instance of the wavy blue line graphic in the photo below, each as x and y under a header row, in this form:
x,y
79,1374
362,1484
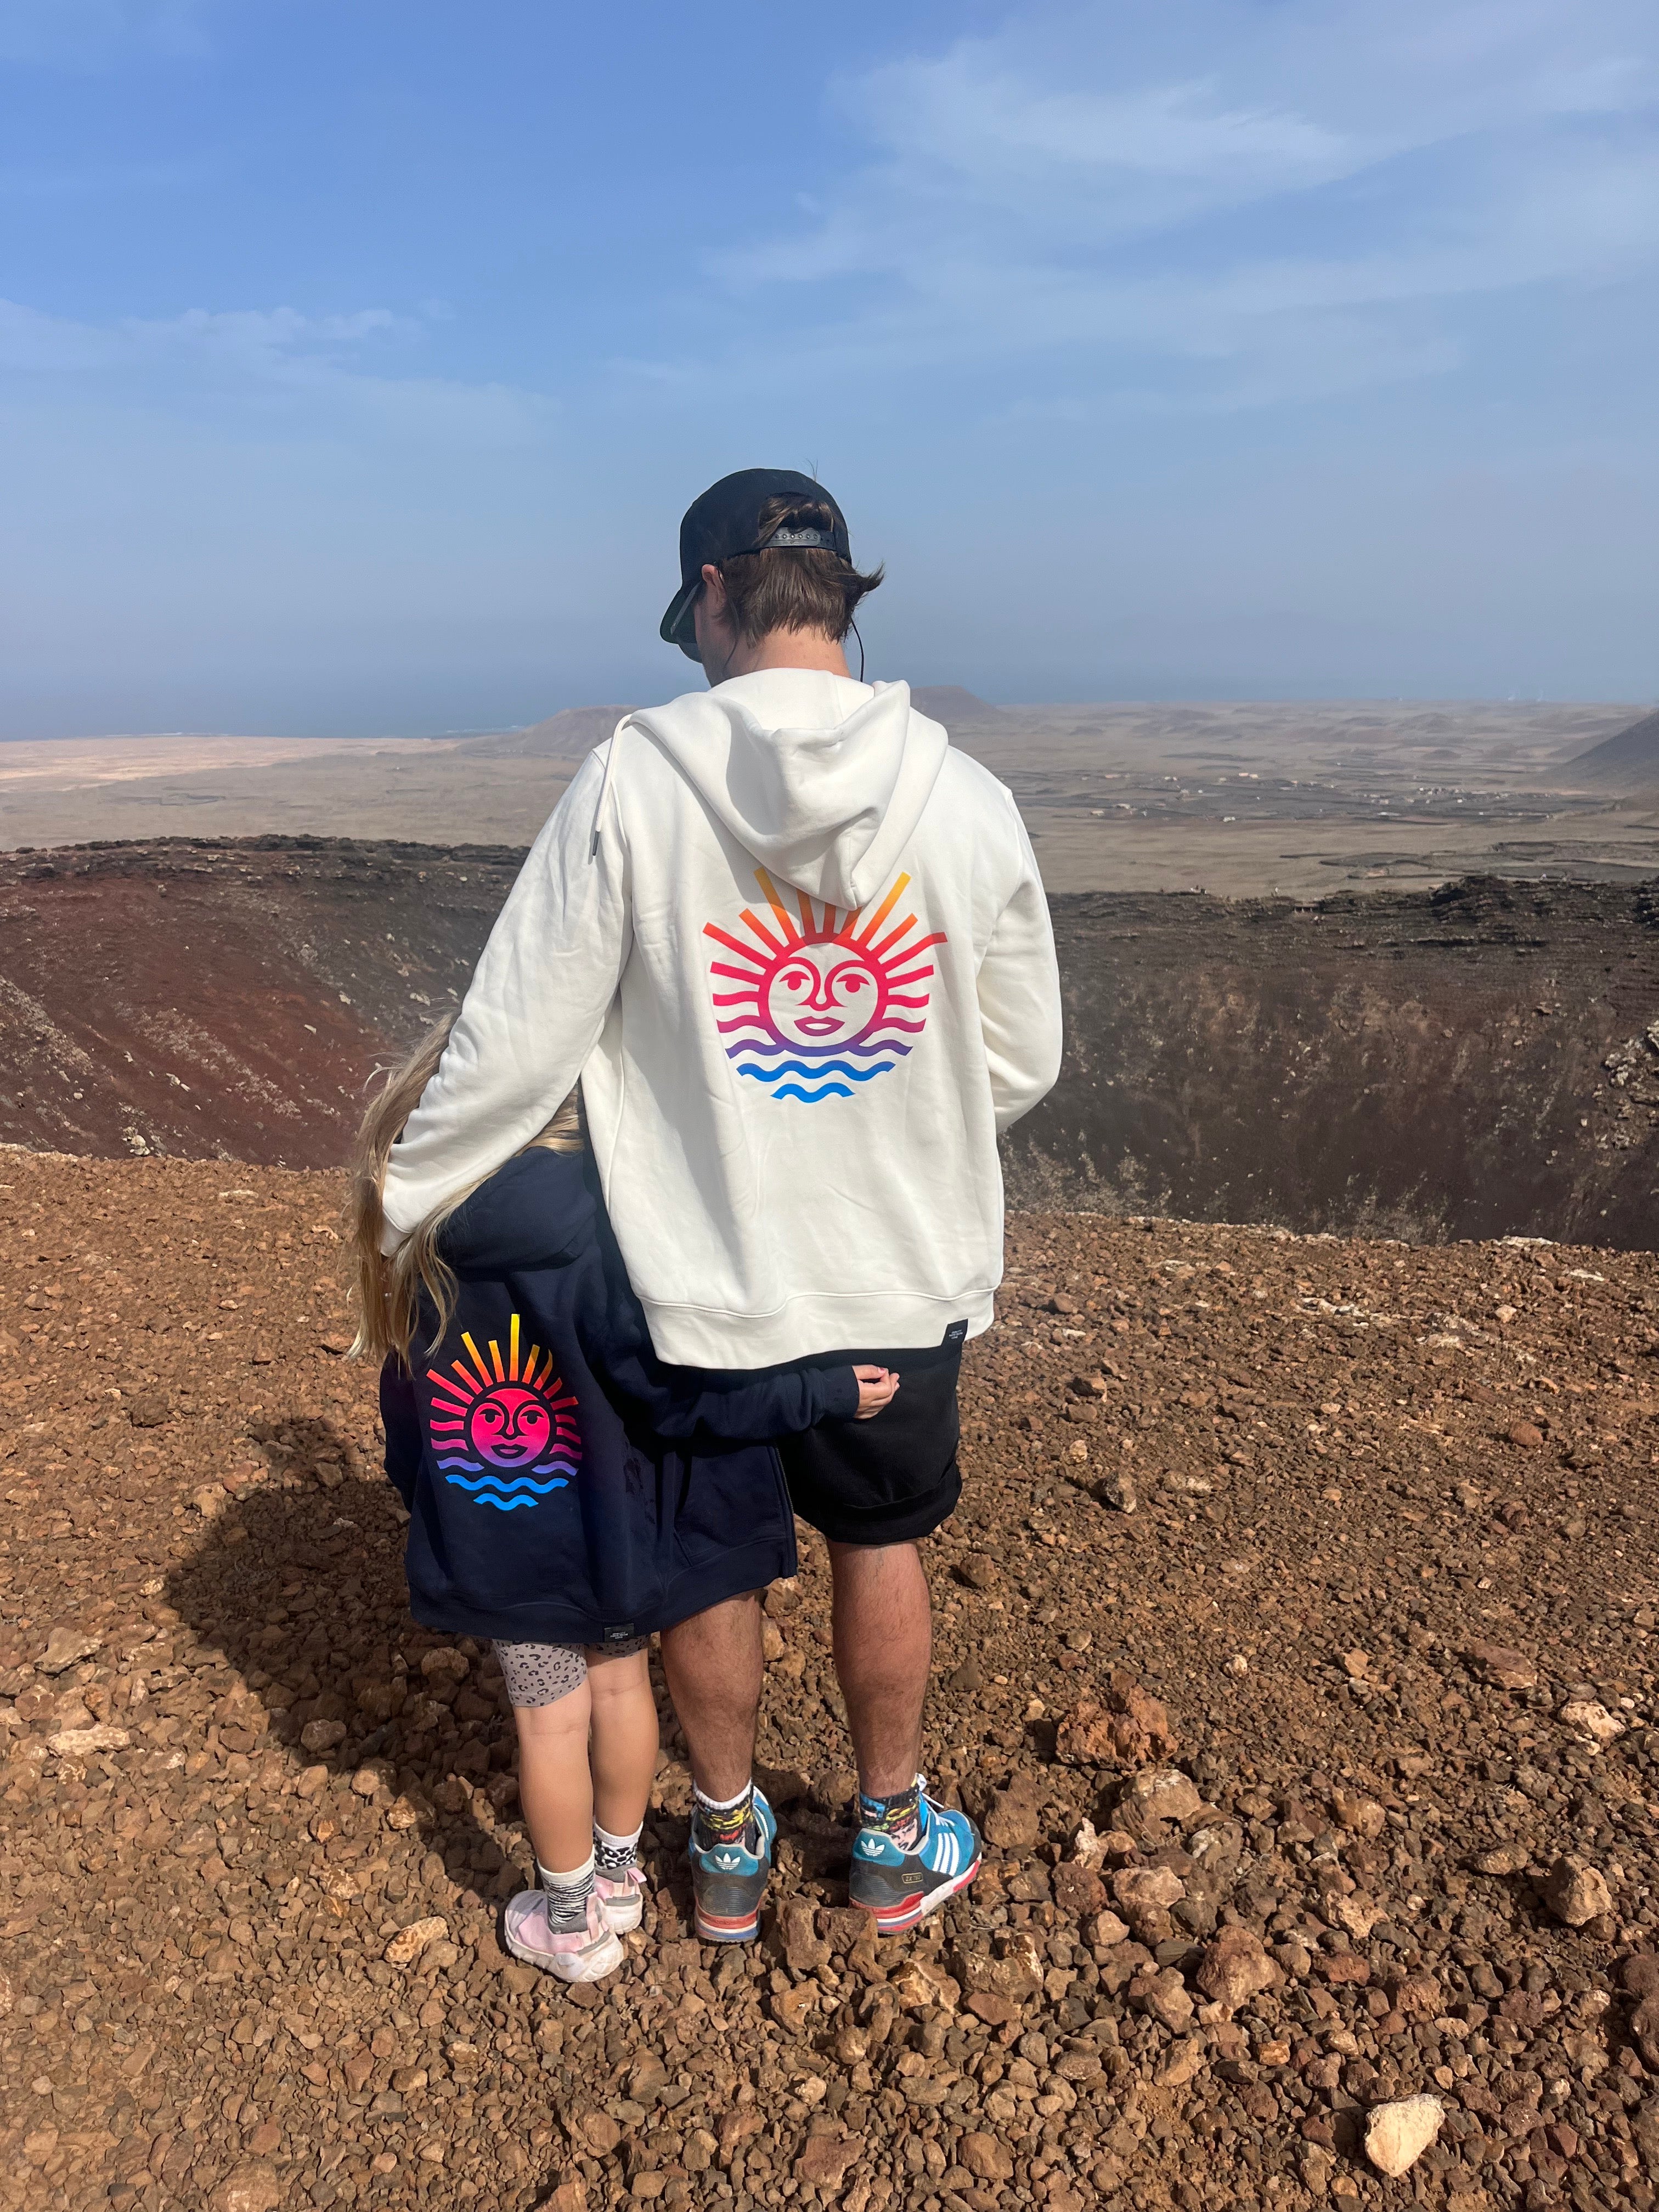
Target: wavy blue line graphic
x,y
494,1481
812,1070
811,1097
473,1466
505,1504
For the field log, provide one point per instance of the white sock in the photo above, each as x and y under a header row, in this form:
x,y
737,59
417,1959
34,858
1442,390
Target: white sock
x,y
721,1804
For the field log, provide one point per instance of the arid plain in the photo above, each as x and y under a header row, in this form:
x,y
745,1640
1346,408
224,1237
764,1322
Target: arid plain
x,y
1239,800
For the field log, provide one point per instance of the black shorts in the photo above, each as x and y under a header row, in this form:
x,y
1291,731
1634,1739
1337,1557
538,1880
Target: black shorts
x,y
893,1478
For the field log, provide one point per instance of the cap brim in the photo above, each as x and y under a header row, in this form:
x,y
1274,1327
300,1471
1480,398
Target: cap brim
x,y
676,627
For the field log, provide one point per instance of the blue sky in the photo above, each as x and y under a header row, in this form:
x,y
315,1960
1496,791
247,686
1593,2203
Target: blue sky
x,y
357,360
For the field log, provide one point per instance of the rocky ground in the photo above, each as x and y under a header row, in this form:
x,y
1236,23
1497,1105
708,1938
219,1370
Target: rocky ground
x,y
1296,1645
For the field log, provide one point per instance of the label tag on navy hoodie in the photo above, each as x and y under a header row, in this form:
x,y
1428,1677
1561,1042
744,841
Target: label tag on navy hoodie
x,y
617,1632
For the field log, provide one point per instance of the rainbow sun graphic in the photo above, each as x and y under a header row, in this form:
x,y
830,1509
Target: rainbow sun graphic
x,y
495,1430
817,1005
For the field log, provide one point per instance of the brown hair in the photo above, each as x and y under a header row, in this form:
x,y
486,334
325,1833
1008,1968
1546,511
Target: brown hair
x,y
806,587
389,1290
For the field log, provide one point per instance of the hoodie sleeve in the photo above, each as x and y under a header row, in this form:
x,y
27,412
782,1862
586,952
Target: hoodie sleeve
x,y
1018,985
679,1401
400,1417
533,1011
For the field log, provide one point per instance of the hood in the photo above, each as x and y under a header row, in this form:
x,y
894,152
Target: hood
x,y
822,779
535,1210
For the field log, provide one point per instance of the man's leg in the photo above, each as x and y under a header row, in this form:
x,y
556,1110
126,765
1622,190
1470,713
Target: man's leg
x,y
911,1854
712,1664
884,1642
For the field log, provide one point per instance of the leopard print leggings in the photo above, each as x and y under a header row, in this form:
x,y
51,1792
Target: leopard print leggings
x,y
542,1673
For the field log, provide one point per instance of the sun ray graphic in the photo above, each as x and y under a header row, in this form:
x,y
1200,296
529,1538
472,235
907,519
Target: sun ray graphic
x,y
816,1008
508,1433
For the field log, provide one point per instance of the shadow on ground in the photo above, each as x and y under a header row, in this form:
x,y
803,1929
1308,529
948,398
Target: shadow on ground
x,y
300,1583
400,1738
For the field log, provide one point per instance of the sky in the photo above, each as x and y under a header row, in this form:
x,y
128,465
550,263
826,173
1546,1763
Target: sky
x,y
357,362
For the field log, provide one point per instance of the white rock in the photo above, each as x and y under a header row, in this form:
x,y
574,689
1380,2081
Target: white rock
x,y
1576,1892
1147,1889
79,1743
1594,1719
1358,1914
64,1646
1087,1849
1398,2133
1159,1793
408,1943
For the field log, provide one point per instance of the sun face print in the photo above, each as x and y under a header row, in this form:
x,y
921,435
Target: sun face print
x,y
817,1004
510,1427
497,1426
822,996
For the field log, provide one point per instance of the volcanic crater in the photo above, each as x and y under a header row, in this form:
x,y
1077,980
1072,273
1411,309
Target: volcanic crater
x,y
1475,1060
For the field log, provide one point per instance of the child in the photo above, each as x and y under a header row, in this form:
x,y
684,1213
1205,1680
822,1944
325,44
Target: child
x,y
569,1494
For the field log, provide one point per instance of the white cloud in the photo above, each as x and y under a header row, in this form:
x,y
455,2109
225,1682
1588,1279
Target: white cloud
x,y
323,371
1331,188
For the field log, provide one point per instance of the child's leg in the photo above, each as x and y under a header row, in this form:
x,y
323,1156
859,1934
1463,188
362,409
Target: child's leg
x,y
624,1748
624,1757
551,1708
561,1926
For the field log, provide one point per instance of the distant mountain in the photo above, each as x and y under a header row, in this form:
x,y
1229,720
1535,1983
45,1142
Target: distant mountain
x,y
957,708
570,735
1629,759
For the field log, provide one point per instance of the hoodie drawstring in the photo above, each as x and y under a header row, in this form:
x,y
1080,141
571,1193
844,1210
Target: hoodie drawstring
x,y
604,787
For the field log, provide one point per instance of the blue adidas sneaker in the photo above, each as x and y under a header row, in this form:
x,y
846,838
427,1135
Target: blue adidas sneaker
x,y
728,1881
901,1886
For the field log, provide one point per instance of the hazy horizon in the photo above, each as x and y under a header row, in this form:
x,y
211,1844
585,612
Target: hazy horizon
x,y
1200,352
1048,706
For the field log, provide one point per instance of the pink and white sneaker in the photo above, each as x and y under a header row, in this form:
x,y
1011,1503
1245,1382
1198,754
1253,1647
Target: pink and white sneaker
x,y
587,1955
622,1898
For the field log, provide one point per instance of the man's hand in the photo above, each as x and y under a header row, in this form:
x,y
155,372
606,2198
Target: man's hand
x,y
876,1388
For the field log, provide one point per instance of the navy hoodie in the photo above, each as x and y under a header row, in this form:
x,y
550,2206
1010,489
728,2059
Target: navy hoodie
x,y
564,1486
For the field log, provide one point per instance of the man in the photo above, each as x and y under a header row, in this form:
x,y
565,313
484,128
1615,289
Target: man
x,y
798,950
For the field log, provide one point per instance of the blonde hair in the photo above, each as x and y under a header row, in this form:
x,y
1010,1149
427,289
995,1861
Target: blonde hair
x,y
389,1290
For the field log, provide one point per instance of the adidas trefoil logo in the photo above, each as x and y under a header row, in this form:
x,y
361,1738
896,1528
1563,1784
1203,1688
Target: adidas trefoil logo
x,y
726,1861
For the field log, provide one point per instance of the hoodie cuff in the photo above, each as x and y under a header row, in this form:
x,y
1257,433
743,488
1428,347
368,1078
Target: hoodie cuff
x,y
840,1395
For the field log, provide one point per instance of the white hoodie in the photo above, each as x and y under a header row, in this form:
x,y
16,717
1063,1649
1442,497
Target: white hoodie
x,y
799,953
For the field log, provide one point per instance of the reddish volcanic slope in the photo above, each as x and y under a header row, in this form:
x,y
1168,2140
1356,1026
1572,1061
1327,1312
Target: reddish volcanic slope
x,y
224,1000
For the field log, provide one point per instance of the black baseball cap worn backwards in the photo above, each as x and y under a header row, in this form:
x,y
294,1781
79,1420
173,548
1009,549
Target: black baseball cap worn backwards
x,y
726,522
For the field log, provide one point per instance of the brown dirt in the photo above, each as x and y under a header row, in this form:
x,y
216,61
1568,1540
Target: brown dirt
x,y
1355,1463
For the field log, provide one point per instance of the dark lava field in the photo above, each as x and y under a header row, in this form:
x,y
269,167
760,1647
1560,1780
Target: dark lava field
x,y
1477,1061
1296,1647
